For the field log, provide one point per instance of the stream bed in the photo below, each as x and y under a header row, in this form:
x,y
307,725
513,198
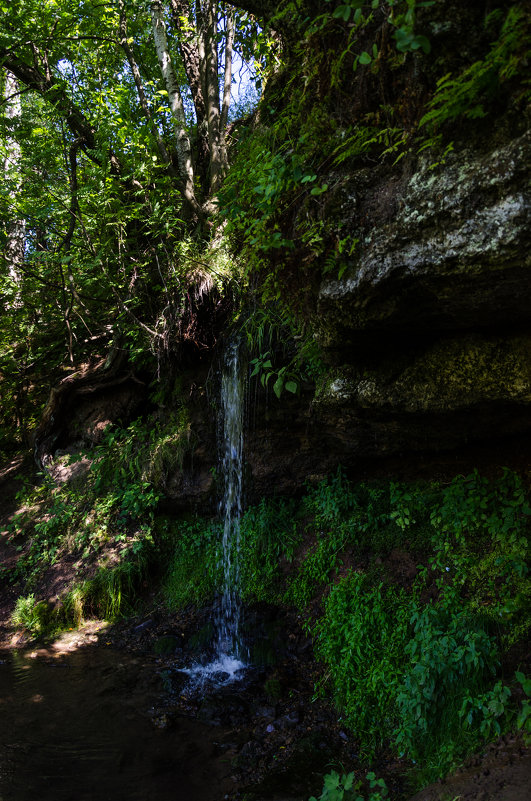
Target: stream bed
x,y
127,713
79,726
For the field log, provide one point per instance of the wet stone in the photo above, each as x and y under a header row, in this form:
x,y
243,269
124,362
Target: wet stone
x,y
265,712
147,624
220,677
165,646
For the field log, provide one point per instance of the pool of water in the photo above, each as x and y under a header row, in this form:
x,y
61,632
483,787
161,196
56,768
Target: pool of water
x,y
79,727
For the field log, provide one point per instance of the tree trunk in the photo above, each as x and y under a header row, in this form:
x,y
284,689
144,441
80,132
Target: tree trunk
x,y
211,92
144,105
16,228
184,150
229,40
190,55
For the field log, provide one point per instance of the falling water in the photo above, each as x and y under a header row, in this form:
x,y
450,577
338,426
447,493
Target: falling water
x,y
232,396
228,662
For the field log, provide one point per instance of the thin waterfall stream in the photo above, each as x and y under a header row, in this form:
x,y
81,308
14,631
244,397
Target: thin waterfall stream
x,y
230,654
232,397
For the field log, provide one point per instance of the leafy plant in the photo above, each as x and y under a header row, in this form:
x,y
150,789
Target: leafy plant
x,y
448,656
343,787
269,535
284,378
523,720
362,637
192,574
465,95
31,615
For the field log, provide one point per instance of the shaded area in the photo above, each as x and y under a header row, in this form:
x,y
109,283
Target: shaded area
x,y
77,726
501,773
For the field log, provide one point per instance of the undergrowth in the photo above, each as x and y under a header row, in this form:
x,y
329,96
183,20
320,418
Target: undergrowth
x,y
418,661
102,521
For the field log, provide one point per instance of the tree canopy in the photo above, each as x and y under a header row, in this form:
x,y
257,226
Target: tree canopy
x,y
115,131
118,124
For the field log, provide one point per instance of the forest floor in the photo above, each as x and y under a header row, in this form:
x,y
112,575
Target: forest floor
x,y
277,738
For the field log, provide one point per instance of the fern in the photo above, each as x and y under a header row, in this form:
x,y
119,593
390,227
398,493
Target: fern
x,y
466,95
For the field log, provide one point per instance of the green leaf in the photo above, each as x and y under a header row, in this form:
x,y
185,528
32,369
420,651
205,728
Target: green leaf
x,y
524,681
342,12
291,386
278,386
365,58
348,781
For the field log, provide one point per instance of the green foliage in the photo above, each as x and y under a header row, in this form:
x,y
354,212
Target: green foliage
x,y
193,574
482,540
359,14
364,518
267,175
114,590
111,511
491,707
269,537
372,141
449,657
423,670
284,378
110,593
361,637
30,615
523,720
270,332
466,95
344,788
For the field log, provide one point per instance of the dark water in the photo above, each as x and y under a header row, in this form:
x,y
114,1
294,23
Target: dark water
x,y
78,728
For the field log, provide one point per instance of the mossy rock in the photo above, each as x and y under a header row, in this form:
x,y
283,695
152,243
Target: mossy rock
x,y
165,646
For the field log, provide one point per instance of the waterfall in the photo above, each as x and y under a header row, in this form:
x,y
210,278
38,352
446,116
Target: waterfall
x,y
231,440
228,662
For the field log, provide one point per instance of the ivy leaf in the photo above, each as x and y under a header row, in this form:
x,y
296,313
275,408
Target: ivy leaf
x,y
342,12
278,386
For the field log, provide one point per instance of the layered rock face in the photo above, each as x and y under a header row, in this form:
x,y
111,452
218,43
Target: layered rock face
x,y
428,335
453,255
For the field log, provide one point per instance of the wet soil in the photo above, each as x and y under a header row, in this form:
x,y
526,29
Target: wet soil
x,y
501,773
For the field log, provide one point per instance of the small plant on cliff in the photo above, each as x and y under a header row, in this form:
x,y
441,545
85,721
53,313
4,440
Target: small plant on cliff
x,y
466,95
192,561
269,538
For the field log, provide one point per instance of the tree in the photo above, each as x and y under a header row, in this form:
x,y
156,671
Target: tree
x,y
16,226
114,130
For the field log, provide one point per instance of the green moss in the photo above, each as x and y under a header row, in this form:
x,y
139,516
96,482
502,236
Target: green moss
x,y
449,375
